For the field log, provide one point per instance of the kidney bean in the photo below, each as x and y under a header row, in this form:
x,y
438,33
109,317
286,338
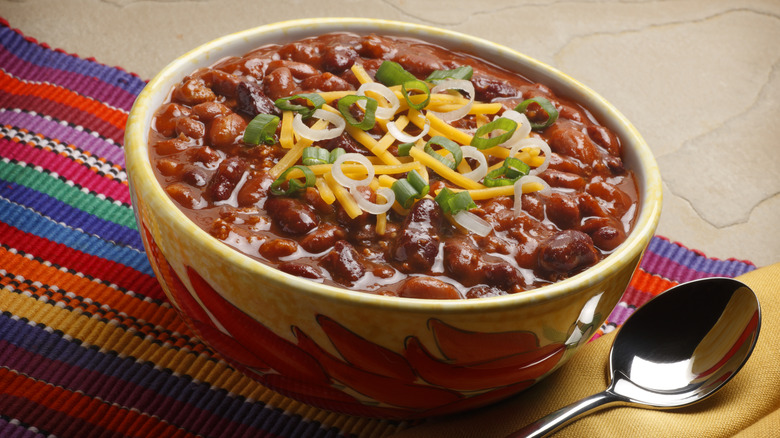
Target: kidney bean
x,y
375,47
312,197
174,145
168,167
569,112
226,130
562,209
275,248
344,263
223,83
527,253
570,165
418,64
206,156
251,100
418,239
279,83
326,82
190,127
254,189
567,251
185,195
206,111
299,70
606,139
533,205
463,262
428,287
195,176
302,52
615,201
487,89
567,180
607,232
323,238
301,270
165,118
291,215
225,179
565,138
337,58
590,206
193,92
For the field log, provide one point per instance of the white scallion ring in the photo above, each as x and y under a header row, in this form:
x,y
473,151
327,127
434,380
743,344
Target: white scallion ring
x,y
546,190
382,112
481,170
346,181
320,134
455,84
523,127
472,222
404,137
533,142
370,207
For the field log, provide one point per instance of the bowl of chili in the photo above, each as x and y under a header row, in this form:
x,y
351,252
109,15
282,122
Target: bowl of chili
x,y
367,217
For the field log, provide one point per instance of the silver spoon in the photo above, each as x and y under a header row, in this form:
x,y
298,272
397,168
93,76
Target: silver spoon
x,y
674,351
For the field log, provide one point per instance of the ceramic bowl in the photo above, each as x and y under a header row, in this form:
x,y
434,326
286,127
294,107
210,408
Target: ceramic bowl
x,y
365,354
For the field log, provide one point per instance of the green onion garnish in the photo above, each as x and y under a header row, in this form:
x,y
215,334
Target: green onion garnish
x,y
293,185
335,154
261,129
463,72
315,155
416,85
285,103
404,148
454,202
451,147
369,116
506,175
391,73
536,107
502,123
408,190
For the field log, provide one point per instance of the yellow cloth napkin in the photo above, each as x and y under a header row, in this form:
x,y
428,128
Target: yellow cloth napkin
x,y
748,406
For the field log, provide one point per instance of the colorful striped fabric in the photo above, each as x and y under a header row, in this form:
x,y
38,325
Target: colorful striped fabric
x,y
88,344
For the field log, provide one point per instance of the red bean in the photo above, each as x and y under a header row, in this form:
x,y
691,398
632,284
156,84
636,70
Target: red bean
x,y
487,89
251,100
226,178
174,145
185,195
323,238
615,201
277,248
190,127
168,167
299,70
417,244
563,210
567,252
279,83
254,189
291,215
344,263
223,83
326,82
428,287
566,138
302,52
338,58
301,270
463,262
206,111
226,130
193,92
206,156
195,176
165,118
607,233
566,180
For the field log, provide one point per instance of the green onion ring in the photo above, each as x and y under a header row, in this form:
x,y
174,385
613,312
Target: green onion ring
x,y
391,73
293,185
261,129
369,116
451,147
454,202
335,154
462,72
410,189
315,155
512,170
404,148
545,106
501,123
416,85
315,99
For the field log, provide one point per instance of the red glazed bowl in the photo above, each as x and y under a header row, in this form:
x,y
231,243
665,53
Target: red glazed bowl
x,y
364,354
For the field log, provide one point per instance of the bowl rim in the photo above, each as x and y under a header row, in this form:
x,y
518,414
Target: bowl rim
x,y
140,173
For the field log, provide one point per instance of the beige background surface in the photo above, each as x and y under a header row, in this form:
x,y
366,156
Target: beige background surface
x,y
700,79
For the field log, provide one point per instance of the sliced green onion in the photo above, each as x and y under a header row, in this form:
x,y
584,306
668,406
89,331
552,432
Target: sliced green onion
x,y
536,107
285,103
416,85
463,72
451,147
454,202
507,125
335,154
391,73
315,155
369,116
404,148
261,129
293,185
511,171
408,190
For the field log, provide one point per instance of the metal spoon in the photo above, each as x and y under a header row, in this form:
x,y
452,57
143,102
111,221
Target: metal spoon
x,y
674,351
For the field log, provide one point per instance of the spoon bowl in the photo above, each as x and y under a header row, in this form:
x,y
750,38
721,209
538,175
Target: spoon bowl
x,y
676,350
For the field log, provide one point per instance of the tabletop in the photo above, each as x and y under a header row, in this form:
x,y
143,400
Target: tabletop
x,y
699,79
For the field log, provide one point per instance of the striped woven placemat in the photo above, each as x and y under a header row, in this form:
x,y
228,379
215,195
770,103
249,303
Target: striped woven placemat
x,y
88,344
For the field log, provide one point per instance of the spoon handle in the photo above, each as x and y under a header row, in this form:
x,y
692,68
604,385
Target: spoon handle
x,y
560,418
